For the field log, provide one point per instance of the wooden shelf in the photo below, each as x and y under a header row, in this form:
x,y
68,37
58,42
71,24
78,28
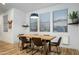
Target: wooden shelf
x,y
74,23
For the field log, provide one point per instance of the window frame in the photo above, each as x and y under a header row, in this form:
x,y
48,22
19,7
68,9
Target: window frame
x,y
36,25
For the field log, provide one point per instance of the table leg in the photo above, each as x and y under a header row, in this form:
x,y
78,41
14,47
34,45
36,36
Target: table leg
x,y
49,46
30,42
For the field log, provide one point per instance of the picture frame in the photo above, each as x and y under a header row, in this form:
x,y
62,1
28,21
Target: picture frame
x,y
60,20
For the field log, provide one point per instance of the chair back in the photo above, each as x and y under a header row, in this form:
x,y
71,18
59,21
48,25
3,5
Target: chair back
x,y
23,39
59,41
37,41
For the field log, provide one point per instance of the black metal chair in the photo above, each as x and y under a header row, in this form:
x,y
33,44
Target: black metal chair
x,y
56,44
38,43
24,41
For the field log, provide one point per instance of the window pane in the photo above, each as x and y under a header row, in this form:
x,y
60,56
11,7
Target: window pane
x,y
5,23
33,25
45,22
60,20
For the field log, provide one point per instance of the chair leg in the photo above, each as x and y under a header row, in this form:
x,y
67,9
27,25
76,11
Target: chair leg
x,y
58,50
55,49
22,44
42,49
29,51
38,50
34,52
32,49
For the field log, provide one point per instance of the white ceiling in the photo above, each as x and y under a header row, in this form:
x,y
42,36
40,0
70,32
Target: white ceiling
x,y
26,7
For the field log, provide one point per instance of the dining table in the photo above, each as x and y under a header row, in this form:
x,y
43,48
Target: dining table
x,y
45,38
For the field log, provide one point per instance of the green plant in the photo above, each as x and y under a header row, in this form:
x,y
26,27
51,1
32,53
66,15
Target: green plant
x,y
73,15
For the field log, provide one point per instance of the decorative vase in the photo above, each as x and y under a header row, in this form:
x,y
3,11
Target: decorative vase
x,y
74,20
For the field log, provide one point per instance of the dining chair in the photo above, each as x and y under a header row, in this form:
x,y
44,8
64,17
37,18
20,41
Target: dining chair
x,y
56,44
39,45
24,41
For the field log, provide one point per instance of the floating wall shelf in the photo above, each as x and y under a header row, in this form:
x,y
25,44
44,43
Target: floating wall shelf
x,y
74,23
25,26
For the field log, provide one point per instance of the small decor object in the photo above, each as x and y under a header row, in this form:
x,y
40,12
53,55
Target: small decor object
x,y
10,24
74,16
25,25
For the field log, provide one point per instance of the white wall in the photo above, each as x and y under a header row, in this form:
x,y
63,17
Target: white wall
x,y
73,30
0,27
6,36
19,19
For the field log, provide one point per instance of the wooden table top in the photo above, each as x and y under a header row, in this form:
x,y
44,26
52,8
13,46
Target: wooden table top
x,y
43,37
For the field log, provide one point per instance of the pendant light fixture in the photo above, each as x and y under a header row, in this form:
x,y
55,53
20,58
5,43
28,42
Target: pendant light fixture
x,y
34,16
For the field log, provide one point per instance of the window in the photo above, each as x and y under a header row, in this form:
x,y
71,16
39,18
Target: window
x,y
44,22
33,25
60,20
5,23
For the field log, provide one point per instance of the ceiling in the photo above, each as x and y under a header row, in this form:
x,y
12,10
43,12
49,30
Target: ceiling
x,y
26,7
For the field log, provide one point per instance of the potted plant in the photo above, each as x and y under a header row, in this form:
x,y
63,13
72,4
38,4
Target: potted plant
x,y
74,16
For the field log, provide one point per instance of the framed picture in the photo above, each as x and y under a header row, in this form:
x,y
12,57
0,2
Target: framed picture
x,y
60,20
45,22
5,23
